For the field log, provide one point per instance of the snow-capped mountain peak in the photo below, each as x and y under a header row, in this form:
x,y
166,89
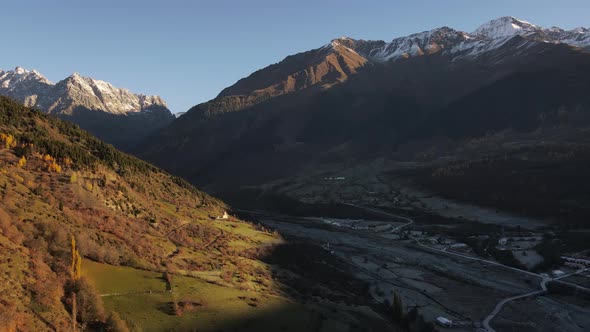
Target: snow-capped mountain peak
x,y
115,115
101,95
11,77
23,85
20,71
33,89
445,40
506,26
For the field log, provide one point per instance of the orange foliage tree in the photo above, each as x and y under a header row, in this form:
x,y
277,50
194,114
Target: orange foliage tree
x,y
51,164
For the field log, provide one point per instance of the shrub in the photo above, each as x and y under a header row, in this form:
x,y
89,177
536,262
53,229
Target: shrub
x,y
90,309
116,324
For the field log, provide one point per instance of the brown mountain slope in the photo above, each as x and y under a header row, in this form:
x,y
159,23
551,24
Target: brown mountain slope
x,y
318,68
327,65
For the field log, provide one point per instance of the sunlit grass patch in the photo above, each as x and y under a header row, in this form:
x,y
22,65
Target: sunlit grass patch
x,y
214,307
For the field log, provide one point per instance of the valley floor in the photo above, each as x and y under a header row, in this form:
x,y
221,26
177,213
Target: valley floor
x,y
439,283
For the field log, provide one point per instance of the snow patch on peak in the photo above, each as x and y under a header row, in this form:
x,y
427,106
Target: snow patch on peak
x,y
341,40
581,30
418,44
506,26
32,89
445,40
20,76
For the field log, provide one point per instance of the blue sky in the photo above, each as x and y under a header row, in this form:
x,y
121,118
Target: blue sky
x,y
187,51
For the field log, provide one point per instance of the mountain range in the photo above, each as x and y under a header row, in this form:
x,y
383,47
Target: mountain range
x,y
427,96
115,115
342,58
355,102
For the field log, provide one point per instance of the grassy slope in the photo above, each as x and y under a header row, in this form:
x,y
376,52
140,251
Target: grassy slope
x,y
121,210
221,306
125,212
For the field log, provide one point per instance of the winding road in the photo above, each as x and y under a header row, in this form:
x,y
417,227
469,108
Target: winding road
x,y
502,303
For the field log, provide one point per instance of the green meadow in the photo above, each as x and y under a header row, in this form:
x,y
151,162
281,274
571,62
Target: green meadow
x,y
140,298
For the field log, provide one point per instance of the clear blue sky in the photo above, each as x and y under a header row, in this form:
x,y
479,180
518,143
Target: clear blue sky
x,y
187,51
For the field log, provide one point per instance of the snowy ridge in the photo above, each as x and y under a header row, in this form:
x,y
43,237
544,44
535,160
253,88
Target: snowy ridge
x,y
13,78
27,87
488,37
427,42
34,90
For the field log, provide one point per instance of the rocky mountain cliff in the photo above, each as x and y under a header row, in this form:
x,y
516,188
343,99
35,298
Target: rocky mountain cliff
x,y
116,115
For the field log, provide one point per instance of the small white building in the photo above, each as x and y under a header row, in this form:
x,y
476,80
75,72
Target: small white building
x,y
458,246
224,217
444,322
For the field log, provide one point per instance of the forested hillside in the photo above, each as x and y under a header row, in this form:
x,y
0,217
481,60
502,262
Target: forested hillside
x,y
58,183
89,232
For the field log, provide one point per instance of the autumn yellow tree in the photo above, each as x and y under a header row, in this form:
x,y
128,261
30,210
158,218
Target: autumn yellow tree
x,y
51,164
22,161
73,177
9,140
